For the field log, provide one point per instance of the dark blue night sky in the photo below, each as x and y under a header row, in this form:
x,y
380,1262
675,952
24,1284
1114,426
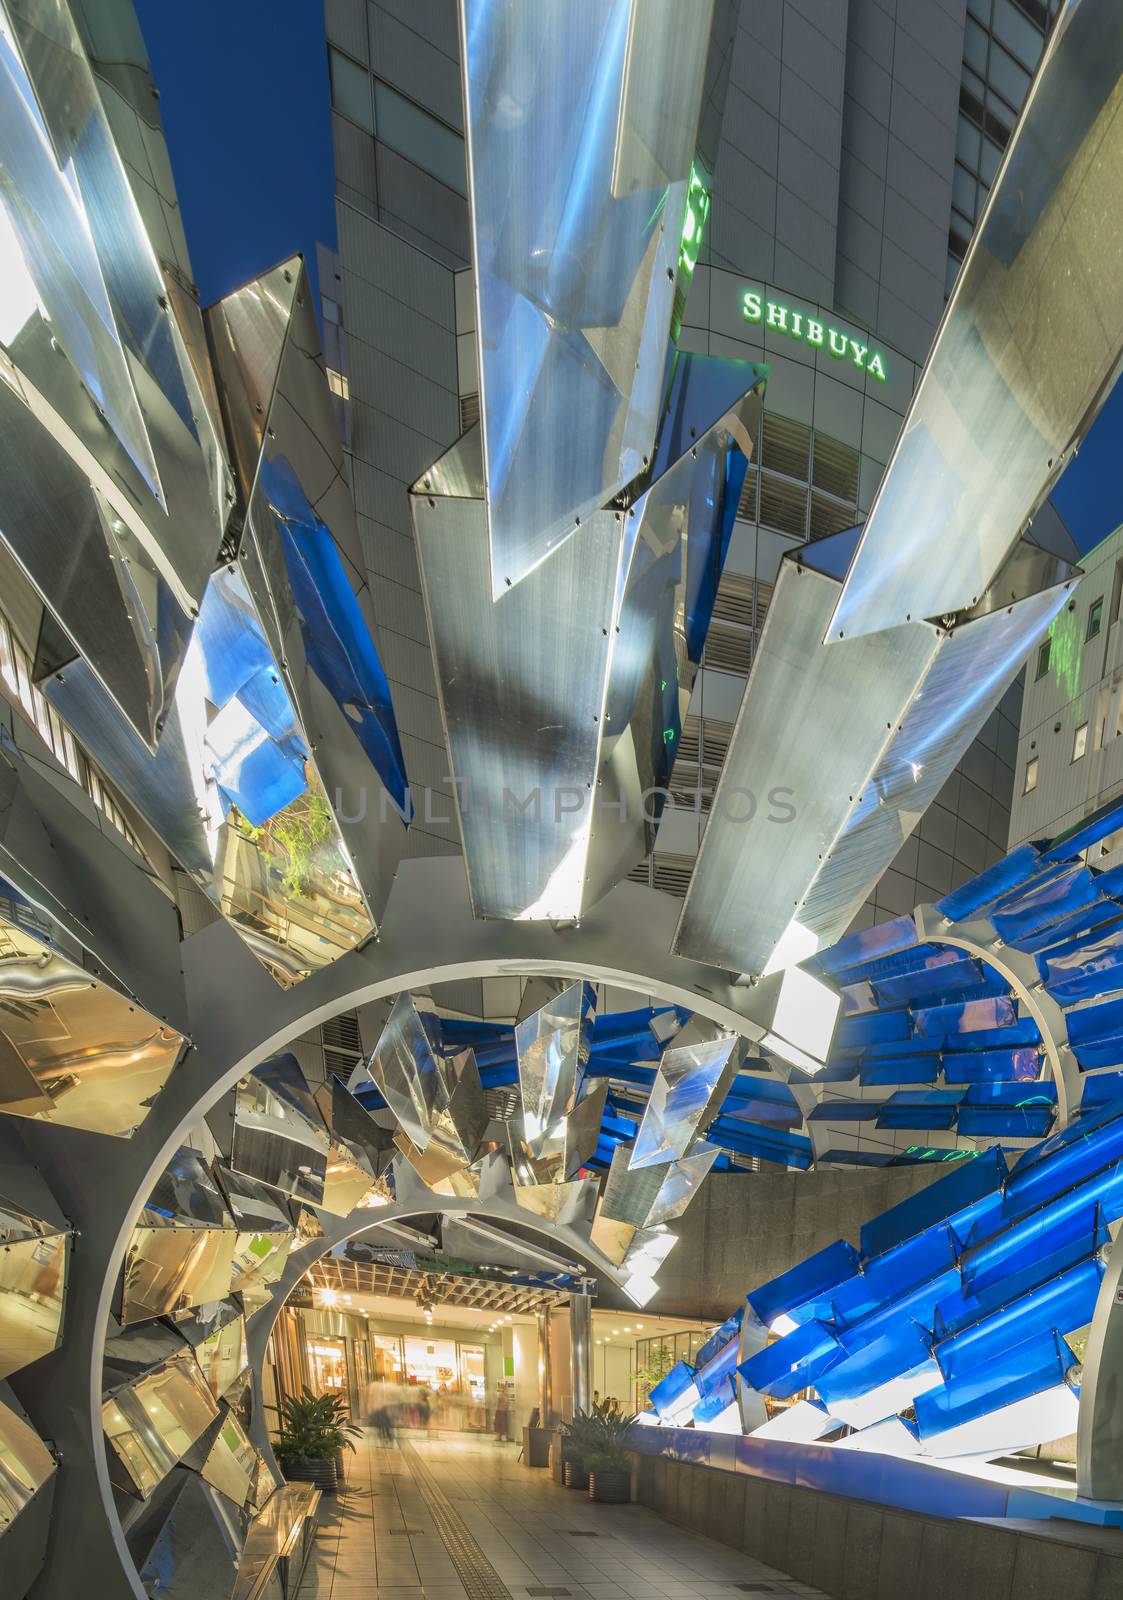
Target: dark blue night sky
x,y
244,93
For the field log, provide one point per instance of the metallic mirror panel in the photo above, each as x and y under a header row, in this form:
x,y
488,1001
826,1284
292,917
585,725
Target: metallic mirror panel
x,y
279,1134
965,681
689,1088
581,127
278,1539
564,1203
552,1048
197,1550
182,1250
137,477
563,700
301,556
26,1465
226,1459
72,877
1026,353
360,1149
265,1229
33,1264
438,1101
72,1049
152,1423
680,1184
811,728
629,1196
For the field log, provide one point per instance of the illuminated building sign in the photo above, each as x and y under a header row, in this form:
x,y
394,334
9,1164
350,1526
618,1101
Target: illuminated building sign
x,y
798,325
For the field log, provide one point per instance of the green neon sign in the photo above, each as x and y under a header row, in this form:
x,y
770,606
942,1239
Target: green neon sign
x,y
819,335
693,224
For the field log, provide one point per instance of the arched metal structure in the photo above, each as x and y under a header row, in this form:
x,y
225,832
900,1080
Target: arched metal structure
x,y
237,1017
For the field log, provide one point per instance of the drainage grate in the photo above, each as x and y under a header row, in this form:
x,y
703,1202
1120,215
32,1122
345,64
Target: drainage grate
x,y
549,1591
582,1533
412,1532
760,1588
476,1573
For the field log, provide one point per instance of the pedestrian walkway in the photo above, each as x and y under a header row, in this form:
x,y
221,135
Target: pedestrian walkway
x,y
461,1518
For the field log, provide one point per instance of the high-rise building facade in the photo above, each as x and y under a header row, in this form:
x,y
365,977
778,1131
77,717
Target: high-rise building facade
x,y
840,179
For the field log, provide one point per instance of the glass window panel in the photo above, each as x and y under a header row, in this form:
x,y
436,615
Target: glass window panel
x,y
975,47
1043,659
988,164
963,189
1080,742
420,137
1031,775
968,142
1011,81
350,89
1095,617
1018,33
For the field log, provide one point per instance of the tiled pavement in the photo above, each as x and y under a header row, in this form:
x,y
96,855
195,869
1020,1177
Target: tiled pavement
x,y
459,1518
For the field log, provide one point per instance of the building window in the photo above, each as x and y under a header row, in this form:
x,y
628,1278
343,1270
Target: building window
x,y
1095,618
338,384
1080,742
1042,660
420,137
1031,776
350,89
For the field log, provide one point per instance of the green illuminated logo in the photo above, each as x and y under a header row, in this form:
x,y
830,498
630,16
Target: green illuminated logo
x,y
798,325
693,224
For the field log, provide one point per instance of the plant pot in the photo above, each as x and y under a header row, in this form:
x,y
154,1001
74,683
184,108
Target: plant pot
x,y
575,1476
340,1474
320,1472
612,1488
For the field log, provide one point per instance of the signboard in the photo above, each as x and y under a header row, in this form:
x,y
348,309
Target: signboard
x,y
755,307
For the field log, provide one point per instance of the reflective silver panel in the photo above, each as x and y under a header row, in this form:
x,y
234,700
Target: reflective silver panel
x,y
301,557
581,122
182,1250
811,727
225,1458
198,1547
33,1264
680,1185
1026,353
564,1203
265,1230
152,1423
438,1101
279,1134
689,1087
117,491
629,1196
563,699
277,1539
72,1050
25,1466
552,1047
360,1149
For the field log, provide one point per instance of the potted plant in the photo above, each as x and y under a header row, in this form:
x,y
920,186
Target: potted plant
x,y
610,1473
574,1438
314,1434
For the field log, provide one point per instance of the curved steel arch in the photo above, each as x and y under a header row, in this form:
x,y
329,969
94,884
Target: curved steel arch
x,y
339,1229
238,1017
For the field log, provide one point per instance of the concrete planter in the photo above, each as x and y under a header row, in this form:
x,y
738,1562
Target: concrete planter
x,y
322,1472
611,1488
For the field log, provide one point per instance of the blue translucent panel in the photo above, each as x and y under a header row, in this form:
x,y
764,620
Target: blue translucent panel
x,y
1028,1368
972,1016
1009,1264
898,1069
920,1108
1101,1090
992,1122
854,1158
1101,913
875,1027
966,1189
1068,893
710,1408
834,1072
809,1284
915,1305
918,959
671,1388
761,1099
930,1155
1020,1095
1023,1031
885,938
752,1139
1084,968
1022,1064
845,1111
899,1349
793,1362
1095,1054
1067,1158
1094,828
1061,1305
982,891
337,641
885,1278
900,1047
964,979
716,1377
729,1330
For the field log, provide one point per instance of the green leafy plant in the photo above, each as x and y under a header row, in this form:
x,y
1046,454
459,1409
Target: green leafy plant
x,y
598,1437
652,1371
314,1427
